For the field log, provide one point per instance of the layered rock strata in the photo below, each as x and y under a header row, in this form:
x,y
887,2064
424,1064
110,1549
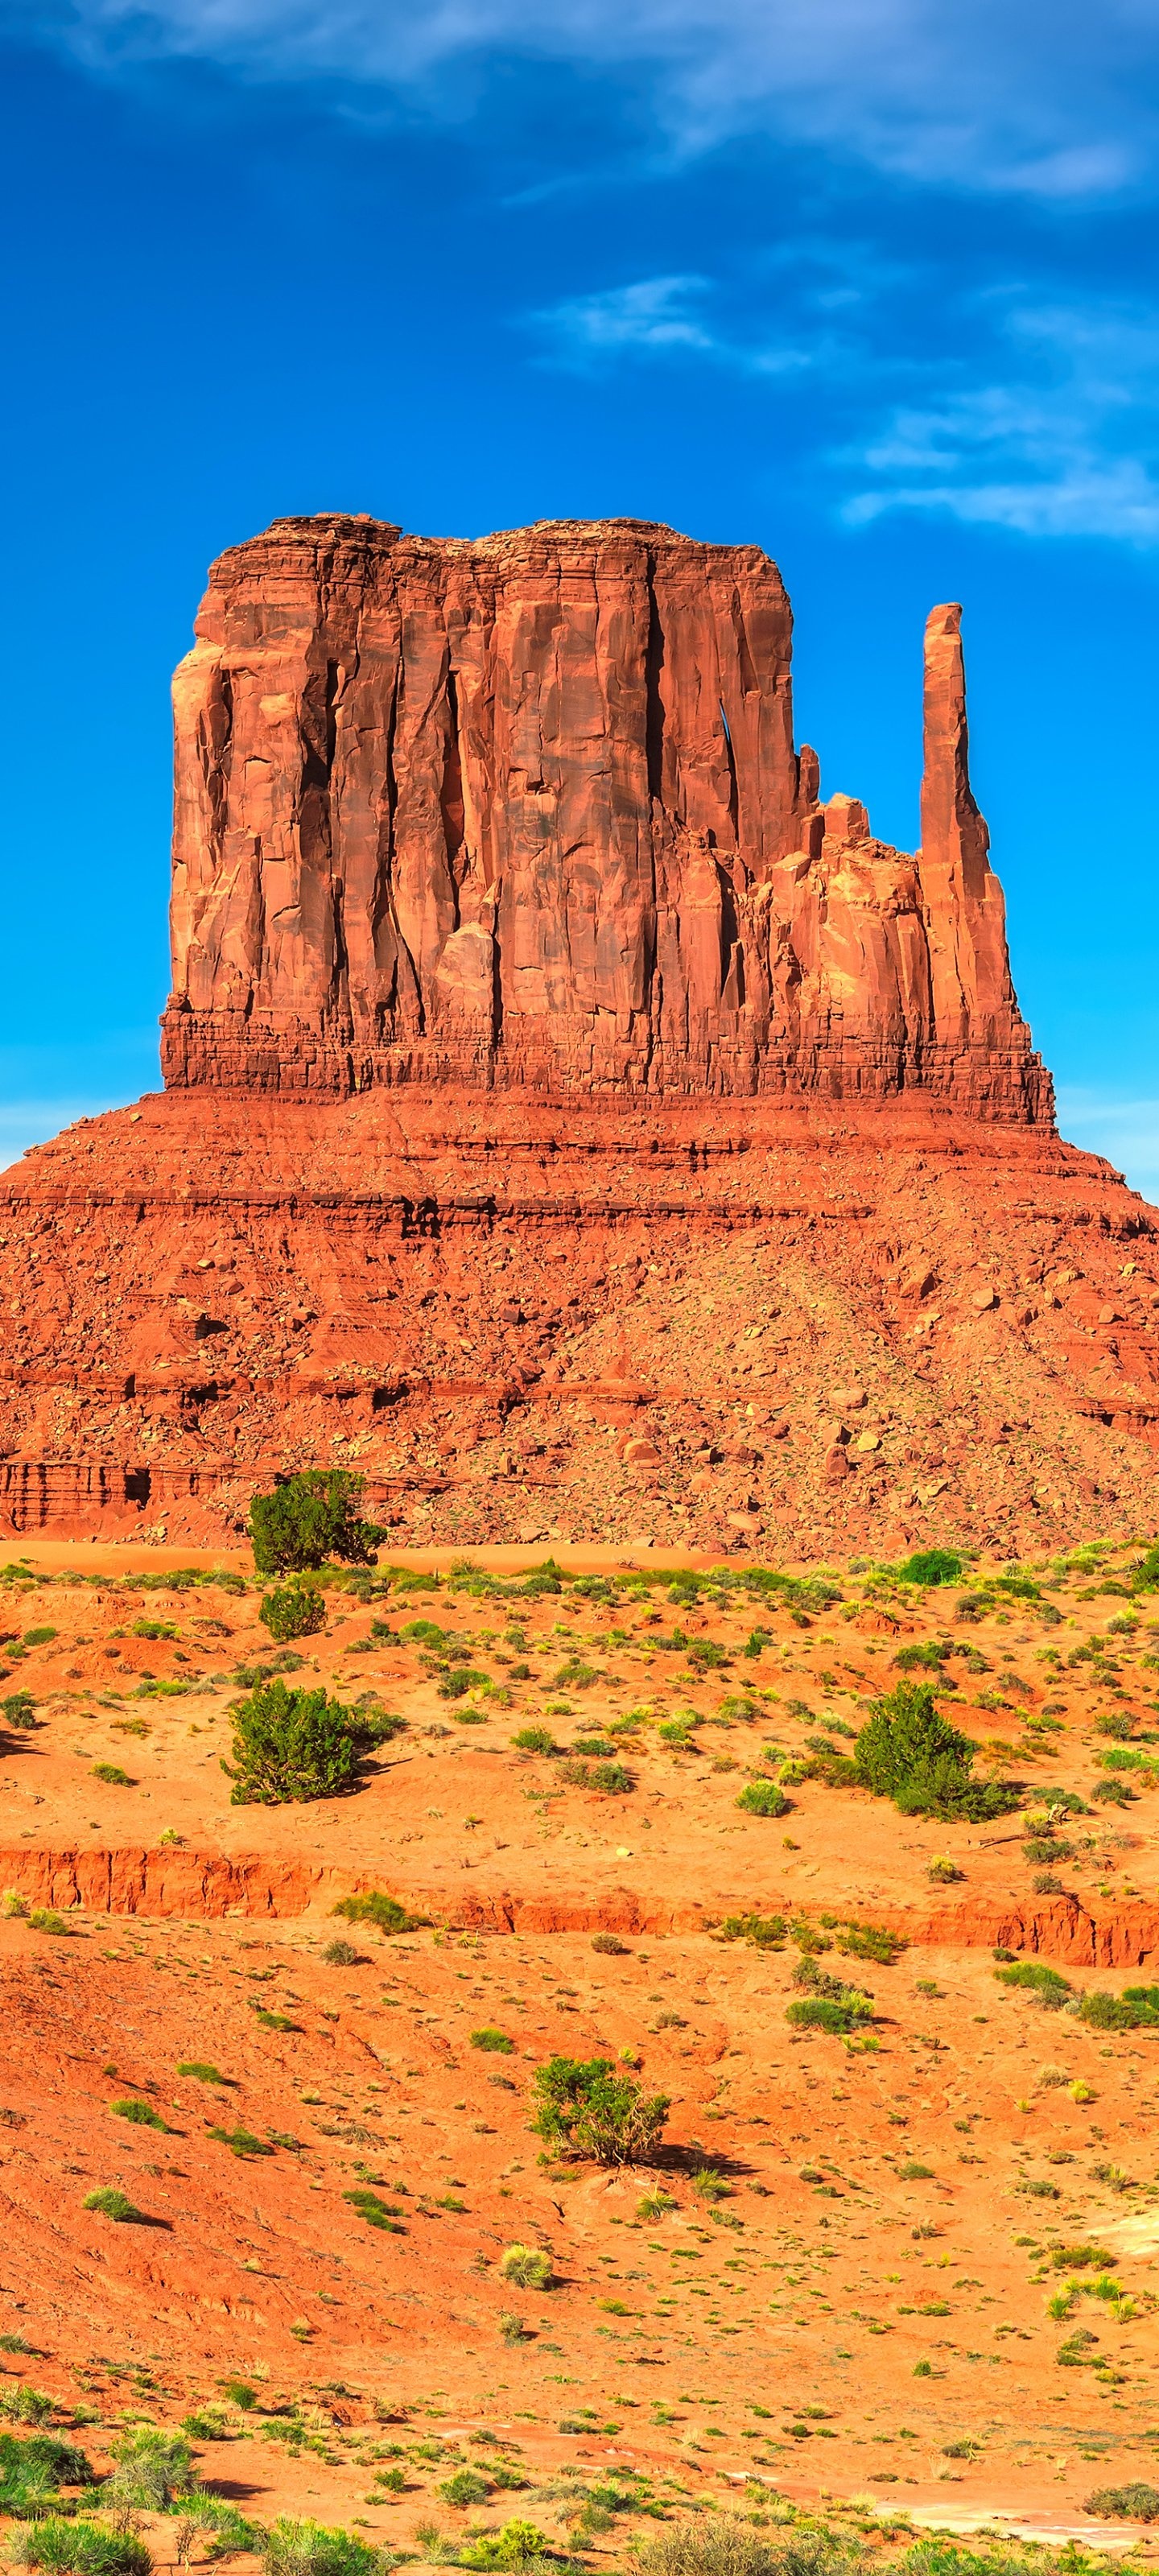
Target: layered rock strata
x,y
528,812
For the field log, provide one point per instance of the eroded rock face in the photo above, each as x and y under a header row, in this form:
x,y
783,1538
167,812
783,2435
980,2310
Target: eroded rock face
x,y
528,811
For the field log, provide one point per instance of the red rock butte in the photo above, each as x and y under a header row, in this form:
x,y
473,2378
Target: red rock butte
x,y
528,813
572,1121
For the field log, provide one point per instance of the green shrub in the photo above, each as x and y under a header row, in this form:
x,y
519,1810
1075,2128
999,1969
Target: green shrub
x,y
241,2142
932,1566
112,1773
342,1954
112,2204
31,2471
517,2544
1113,1793
38,1636
290,1746
827,2004
142,2114
308,2549
27,2405
908,1752
1137,2008
585,2109
534,1739
385,1912
765,1931
528,2266
463,2487
240,2393
19,1710
763,1798
724,2547
1135,2502
1045,1984
610,1945
44,1919
201,2070
496,2042
67,2548
154,1628
293,1610
611,1779
310,1518
151,2469
377,2213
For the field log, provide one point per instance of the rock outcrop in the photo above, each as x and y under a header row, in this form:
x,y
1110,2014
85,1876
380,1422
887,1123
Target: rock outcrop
x,y
527,812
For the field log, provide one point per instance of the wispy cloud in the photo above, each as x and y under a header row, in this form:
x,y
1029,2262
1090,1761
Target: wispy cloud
x,y
656,317
1064,443
1047,99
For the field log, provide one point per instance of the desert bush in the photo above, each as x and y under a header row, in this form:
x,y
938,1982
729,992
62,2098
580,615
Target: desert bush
x,y
32,2470
1048,1988
68,2548
610,1779
342,1954
908,1752
511,2327
763,1798
290,1746
112,1774
151,2470
383,2214
1137,2008
27,2405
584,2108
765,1931
494,2043
293,1610
534,1739
201,2070
241,2142
141,2114
610,1945
464,2487
310,1518
385,1912
292,2548
517,2544
19,1711
113,2204
725,2547
1135,2502
944,1872
931,1566
528,2266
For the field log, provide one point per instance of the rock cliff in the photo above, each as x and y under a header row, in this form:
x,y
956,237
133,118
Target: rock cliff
x,y
527,812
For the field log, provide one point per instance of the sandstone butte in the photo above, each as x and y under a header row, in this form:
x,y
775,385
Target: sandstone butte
x,y
572,1121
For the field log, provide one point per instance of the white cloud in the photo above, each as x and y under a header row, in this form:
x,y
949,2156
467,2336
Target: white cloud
x,y
1065,443
1045,98
655,317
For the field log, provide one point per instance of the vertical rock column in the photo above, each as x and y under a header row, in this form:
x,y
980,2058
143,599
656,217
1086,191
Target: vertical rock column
x,y
973,996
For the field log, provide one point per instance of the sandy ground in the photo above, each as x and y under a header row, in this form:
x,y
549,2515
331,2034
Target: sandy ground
x,y
871,2269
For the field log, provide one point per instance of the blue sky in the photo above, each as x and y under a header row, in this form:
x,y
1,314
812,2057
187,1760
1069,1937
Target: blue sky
x,y
870,282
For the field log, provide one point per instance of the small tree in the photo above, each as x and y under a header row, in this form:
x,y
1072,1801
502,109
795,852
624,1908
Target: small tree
x,y
585,2109
290,1745
292,1610
909,1753
309,1518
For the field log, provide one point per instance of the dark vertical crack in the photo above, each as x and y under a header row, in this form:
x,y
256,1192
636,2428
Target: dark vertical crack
x,y
733,791
654,716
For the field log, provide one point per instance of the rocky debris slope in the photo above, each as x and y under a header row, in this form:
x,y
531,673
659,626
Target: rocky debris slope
x,y
744,1328
528,812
